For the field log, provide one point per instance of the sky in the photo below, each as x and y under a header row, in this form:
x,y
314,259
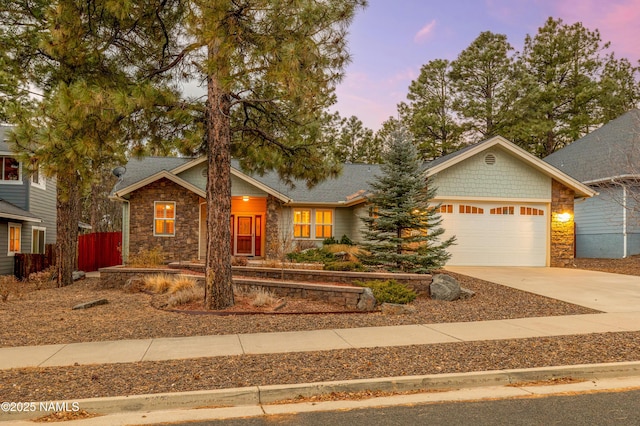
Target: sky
x,y
391,39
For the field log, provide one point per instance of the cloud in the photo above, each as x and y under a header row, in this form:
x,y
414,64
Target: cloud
x,y
424,32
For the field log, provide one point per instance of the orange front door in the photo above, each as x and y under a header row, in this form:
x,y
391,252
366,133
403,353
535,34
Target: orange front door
x,y
244,235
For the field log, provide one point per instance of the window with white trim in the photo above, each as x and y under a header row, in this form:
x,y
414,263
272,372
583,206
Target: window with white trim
x,y
164,219
37,179
38,235
302,223
11,170
324,223
15,238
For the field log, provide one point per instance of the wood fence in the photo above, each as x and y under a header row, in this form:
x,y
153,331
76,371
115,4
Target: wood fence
x,y
28,263
99,250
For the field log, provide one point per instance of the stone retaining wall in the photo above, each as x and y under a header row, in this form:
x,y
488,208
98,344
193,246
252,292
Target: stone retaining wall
x,y
417,282
353,298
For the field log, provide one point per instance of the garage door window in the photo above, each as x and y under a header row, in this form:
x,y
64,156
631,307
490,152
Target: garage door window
x,y
530,211
446,208
502,210
470,209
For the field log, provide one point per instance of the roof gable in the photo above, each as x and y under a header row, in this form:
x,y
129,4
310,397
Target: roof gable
x,y
608,153
450,160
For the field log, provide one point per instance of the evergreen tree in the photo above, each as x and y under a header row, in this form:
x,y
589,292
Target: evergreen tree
x,y
88,104
356,143
619,89
558,77
270,67
482,76
403,229
429,114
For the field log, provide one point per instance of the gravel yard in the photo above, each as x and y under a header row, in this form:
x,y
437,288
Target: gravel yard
x,y
45,317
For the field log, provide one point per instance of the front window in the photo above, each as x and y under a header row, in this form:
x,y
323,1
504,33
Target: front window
x,y
302,223
164,218
10,169
324,223
36,177
15,238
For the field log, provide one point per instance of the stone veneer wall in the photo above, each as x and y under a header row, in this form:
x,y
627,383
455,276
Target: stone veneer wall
x,y
184,244
272,228
562,233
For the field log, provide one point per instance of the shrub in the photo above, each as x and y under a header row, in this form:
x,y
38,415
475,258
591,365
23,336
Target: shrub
x,y
158,283
185,296
352,252
343,266
239,261
42,279
146,258
8,286
181,282
261,297
312,255
346,241
389,291
329,241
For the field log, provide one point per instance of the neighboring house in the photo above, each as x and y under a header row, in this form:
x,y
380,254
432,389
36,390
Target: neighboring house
x,y
27,208
505,206
608,160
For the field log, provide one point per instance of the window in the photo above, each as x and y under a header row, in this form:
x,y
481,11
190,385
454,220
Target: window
x,y
446,208
530,211
502,210
38,240
324,223
15,238
164,218
470,209
36,177
10,170
302,223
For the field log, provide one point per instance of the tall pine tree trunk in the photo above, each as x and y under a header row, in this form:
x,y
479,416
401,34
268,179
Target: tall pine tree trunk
x,y
219,284
68,208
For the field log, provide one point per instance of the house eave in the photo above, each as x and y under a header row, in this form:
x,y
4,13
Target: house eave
x,y
19,217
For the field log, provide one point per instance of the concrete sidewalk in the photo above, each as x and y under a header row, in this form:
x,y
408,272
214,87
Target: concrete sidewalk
x,y
316,340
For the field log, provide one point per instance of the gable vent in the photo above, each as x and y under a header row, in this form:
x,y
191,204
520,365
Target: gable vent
x,y
204,172
490,159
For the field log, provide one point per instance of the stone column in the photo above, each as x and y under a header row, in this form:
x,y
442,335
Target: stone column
x,y
562,225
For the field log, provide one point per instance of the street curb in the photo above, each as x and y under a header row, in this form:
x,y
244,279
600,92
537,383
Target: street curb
x,y
258,395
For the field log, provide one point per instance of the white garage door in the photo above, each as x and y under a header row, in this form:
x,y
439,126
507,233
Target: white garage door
x,y
490,234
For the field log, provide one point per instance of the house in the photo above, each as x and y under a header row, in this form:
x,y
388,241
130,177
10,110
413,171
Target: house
x,y
27,208
505,206
607,160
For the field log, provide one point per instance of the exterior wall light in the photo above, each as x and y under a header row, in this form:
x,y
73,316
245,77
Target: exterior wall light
x,y
564,217
245,198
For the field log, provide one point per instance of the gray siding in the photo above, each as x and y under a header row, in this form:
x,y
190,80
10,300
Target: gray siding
x,y
42,203
6,262
599,223
508,177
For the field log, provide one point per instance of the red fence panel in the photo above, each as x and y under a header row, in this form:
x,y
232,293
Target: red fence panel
x,y
99,250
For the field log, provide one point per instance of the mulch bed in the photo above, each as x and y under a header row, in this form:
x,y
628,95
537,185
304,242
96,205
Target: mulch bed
x,y
45,317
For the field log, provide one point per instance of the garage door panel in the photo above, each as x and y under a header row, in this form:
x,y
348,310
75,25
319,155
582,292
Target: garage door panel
x,y
497,239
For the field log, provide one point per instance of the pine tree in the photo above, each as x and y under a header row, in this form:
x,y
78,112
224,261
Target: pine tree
x,y
89,105
429,114
403,228
482,76
270,67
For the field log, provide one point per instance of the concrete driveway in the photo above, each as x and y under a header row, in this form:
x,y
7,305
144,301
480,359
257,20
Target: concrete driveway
x,y
597,290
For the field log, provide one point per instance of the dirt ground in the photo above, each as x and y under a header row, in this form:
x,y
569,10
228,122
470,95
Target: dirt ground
x,y
45,317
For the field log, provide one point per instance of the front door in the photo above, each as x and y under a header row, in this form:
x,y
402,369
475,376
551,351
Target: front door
x,y
244,235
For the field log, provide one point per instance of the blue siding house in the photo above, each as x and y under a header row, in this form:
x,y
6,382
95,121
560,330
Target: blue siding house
x,y
27,208
607,160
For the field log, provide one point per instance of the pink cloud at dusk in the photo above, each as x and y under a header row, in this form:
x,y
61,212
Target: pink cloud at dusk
x,y
425,32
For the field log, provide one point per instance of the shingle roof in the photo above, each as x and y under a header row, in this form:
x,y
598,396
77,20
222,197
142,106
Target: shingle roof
x,y
351,183
9,211
138,169
612,151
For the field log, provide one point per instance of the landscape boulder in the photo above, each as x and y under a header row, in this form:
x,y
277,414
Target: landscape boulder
x,y
445,287
465,293
367,301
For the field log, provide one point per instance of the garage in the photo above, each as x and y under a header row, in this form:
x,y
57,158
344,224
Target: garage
x,y
496,234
